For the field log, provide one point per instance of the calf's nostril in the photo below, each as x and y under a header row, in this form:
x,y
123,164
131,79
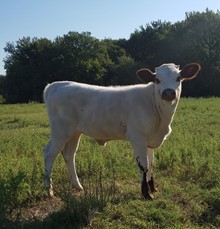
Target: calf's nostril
x,y
168,94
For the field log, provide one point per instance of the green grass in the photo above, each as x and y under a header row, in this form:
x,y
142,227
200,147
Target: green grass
x,y
187,173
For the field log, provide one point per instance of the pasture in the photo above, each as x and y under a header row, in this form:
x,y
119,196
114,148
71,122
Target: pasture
x,y
187,173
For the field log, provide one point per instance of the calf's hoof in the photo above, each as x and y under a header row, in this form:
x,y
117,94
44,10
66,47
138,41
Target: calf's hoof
x,y
146,192
152,186
50,193
148,196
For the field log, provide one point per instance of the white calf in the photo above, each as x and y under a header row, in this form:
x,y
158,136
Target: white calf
x,y
140,114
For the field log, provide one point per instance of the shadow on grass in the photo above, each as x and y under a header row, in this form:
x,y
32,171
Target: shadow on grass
x,y
66,210
212,213
77,212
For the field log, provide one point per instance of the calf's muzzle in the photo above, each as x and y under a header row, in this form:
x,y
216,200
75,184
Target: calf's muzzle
x,y
168,94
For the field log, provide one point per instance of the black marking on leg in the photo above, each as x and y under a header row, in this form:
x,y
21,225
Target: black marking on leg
x,y
145,188
152,185
139,164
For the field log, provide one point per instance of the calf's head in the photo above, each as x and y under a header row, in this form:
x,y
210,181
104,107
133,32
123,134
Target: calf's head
x,y
168,79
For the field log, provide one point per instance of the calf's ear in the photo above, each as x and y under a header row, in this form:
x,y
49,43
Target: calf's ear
x,y
145,75
190,71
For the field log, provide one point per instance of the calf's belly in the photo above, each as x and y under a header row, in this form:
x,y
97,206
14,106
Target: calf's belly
x,y
101,131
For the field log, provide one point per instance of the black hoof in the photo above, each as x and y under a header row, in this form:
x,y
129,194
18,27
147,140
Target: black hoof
x,y
146,191
148,196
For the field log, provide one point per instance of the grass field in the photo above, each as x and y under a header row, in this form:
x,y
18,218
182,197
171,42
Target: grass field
x,y
187,172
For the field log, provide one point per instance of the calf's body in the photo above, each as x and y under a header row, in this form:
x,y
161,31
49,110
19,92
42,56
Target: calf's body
x,y
140,114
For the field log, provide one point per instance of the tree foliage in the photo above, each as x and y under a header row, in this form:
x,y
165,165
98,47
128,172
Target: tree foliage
x,y
196,39
31,63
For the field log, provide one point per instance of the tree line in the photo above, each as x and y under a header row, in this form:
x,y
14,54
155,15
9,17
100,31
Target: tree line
x,y
31,63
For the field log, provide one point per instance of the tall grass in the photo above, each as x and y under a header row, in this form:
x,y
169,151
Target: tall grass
x,y
187,173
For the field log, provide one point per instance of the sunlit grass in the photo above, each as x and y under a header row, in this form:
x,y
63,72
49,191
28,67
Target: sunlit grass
x,y
187,173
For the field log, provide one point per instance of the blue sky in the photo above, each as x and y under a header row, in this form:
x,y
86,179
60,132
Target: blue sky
x,y
103,18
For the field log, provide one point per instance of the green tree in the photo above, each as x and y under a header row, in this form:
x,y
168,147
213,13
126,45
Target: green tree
x,y
2,88
196,39
202,44
150,45
80,57
27,69
121,67
32,63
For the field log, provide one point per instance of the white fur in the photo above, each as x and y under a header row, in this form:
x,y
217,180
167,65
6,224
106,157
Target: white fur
x,y
133,113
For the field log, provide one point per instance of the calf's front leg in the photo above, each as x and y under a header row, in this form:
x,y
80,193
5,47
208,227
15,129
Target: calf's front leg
x,y
139,145
150,178
145,186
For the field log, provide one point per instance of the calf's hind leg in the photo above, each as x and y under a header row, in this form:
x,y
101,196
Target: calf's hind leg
x,y
50,152
69,154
